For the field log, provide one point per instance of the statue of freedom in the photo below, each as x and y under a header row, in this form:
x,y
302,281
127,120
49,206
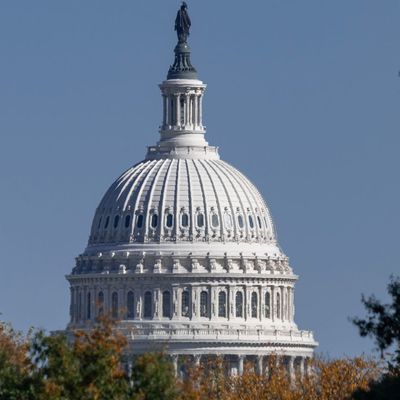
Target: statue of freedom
x,y
182,23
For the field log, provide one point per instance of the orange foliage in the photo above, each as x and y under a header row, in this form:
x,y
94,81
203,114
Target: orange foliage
x,y
329,380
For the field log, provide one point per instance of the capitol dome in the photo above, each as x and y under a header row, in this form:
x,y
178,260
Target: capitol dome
x,y
182,200
182,249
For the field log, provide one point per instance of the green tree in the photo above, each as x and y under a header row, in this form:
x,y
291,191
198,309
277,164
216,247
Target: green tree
x,y
153,378
383,322
17,377
89,368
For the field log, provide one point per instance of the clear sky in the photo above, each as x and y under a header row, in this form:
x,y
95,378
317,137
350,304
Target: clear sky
x,y
303,97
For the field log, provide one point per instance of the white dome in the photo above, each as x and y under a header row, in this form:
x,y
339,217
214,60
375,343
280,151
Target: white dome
x,y
183,250
182,200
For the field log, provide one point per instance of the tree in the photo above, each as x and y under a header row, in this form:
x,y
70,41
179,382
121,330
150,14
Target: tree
x,y
383,322
89,368
17,378
153,378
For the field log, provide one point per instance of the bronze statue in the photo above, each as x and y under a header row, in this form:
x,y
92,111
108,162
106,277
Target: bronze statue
x,y
182,23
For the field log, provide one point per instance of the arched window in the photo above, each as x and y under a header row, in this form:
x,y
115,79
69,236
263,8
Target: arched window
x,y
259,221
228,221
88,306
214,220
267,305
116,221
239,304
203,304
240,221
278,305
185,303
127,221
169,221
184,220
222,304
139,222
200,220
99,224
130,305
148,307
166,304
254,305
100,303
154,221
251,222
114,305
107,222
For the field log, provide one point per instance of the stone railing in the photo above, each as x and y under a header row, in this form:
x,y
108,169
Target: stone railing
x,y
219,334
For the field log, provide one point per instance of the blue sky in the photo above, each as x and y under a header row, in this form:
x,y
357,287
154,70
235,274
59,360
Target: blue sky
x,y
303,97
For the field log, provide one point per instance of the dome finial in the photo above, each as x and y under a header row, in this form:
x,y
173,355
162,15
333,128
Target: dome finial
x,y
182,67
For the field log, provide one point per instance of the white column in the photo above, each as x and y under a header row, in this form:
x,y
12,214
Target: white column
x,y
240,365
196,111
164,110
187,110
176,302
178,109
197,359
273,303
201,110
174,358
292,375
302,367
259,365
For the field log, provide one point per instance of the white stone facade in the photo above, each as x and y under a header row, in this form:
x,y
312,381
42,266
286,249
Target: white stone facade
x,y
183,252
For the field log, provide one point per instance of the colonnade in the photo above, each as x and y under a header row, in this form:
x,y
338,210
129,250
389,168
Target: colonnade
x,y
261,364
183,110
194,302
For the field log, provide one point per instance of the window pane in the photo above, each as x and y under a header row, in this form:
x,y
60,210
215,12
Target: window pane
x,y
107,222
200,220
251,222
185,220
116,221
170,220
166,304
130,303
148,298
154,220
259,222
127,221
203,304
88,306
239,304
222,304
278,305
214,220
254,305
100,301
114,305
98,225
240,222
267,305
185,304
139,222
